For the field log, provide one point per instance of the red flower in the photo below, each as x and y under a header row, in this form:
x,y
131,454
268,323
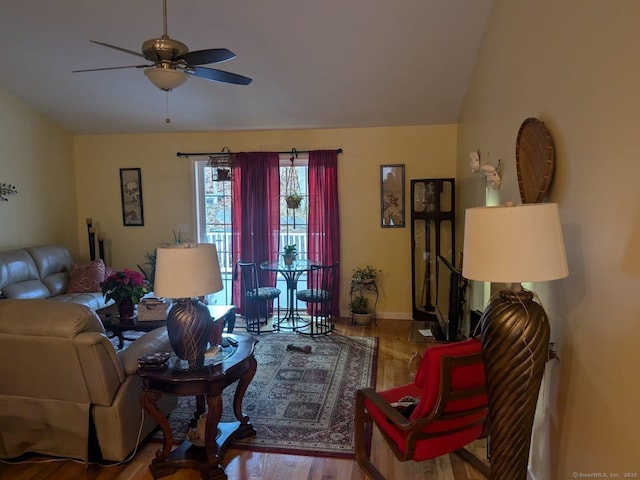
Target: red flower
x,y
125,284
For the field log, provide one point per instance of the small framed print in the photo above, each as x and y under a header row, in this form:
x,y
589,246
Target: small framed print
x,y
131,193
392,196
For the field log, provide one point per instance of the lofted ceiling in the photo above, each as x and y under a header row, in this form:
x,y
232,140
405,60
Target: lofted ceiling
x,y
314,64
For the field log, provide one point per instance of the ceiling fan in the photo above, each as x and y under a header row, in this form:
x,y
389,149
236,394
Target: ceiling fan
x,y
172,62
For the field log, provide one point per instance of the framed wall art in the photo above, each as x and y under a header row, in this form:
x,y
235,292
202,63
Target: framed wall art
x,y
392,196
131,193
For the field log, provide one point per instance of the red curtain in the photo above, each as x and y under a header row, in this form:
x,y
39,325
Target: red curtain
x,y
255,214
324,218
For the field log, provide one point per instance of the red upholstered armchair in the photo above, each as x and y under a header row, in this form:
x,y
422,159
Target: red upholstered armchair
x,y
450,413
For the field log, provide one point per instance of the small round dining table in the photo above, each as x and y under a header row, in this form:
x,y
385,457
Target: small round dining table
x,y
291,273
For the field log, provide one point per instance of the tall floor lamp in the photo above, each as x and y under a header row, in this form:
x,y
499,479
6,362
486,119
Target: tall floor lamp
x,y
185,272
513,244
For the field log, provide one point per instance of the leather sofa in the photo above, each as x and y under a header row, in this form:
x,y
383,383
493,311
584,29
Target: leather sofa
x,y
64,390
42,272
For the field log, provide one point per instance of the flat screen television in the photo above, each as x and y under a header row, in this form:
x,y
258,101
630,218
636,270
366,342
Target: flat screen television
x,y
449,299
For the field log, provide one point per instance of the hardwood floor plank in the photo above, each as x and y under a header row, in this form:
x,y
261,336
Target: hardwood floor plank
x,y
394,352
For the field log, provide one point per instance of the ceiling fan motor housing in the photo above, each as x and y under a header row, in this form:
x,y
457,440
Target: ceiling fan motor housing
x,y
163,49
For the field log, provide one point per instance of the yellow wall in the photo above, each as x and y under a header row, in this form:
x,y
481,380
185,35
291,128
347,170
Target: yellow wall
x,y
574,64
36,156
426,151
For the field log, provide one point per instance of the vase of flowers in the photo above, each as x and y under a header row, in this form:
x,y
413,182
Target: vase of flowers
x,y
126,288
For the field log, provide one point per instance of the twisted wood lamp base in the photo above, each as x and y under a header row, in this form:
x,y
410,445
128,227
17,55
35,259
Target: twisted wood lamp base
x,y
515,340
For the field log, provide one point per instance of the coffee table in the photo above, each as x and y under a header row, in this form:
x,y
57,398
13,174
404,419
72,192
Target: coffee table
x,y
112,323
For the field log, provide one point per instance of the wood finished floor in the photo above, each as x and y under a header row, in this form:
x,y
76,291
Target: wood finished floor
x,y
394,351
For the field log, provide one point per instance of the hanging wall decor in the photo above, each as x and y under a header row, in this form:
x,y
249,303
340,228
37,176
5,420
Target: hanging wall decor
x,y
131,193
5,190
223,165
535,160
392,195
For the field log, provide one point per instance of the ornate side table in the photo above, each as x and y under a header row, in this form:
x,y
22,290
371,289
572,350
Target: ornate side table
x,y
231,364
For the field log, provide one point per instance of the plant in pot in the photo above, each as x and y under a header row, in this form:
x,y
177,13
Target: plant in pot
x,y
126,288
360,310
293,200
290,254
367,274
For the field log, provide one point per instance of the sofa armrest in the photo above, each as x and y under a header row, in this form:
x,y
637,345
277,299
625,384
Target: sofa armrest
x,y
103,372
154,341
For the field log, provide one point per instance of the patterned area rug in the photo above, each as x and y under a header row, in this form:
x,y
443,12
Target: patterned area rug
x,y
299,403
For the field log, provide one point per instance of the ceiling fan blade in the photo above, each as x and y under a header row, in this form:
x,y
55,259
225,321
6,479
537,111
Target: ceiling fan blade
x,y
203,57
111,68
137,54
218,75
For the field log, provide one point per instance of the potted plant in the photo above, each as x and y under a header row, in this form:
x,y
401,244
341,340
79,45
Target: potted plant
x,y
150,262
150,259
367,274
360,310
126,288
290,254
293,200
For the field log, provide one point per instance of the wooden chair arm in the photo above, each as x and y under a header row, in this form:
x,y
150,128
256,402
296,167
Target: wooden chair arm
x,y
383,405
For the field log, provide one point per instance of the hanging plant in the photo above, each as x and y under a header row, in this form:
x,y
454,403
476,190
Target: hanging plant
x,y
293,200
292,185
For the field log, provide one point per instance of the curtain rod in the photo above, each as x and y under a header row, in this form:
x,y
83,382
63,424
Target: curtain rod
x,y
293,151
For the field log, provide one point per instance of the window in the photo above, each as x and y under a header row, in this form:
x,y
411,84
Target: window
x,y
213,213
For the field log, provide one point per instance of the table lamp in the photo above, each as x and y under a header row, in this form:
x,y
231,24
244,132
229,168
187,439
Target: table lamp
x,y
513,244
185,272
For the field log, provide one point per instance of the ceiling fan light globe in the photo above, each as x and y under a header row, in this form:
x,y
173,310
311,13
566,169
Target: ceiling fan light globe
x,y
166,79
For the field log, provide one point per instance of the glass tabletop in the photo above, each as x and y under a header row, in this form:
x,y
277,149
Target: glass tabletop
x,y
296,266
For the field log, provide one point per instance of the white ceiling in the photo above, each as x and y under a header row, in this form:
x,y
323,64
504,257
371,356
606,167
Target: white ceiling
x,y
314,64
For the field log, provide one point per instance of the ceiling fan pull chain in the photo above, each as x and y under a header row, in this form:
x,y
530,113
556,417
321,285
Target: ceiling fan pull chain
x,y
167,120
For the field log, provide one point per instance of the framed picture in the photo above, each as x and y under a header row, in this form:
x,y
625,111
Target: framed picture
x,y
131,193
392,196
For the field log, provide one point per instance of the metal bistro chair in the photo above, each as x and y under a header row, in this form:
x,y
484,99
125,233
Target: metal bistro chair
x,y
257,300
449,409
319,298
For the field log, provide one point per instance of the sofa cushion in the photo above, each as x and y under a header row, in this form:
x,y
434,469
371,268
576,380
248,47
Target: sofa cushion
x,y
93,300
86,278
19,276
53,263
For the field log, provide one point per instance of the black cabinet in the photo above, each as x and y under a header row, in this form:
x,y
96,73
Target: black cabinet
x,y
432,234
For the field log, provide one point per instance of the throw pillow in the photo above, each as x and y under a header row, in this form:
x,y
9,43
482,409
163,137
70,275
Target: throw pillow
x,y
108,271
86,278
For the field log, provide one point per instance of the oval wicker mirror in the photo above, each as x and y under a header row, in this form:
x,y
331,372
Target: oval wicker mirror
x,y
534,160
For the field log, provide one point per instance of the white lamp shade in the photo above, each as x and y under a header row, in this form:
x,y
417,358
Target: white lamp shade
x,y
514,244
166,78
187,270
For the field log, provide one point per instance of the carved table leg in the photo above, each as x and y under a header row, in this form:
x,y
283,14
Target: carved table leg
x,y
241,389
148,399
200,402
214,414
